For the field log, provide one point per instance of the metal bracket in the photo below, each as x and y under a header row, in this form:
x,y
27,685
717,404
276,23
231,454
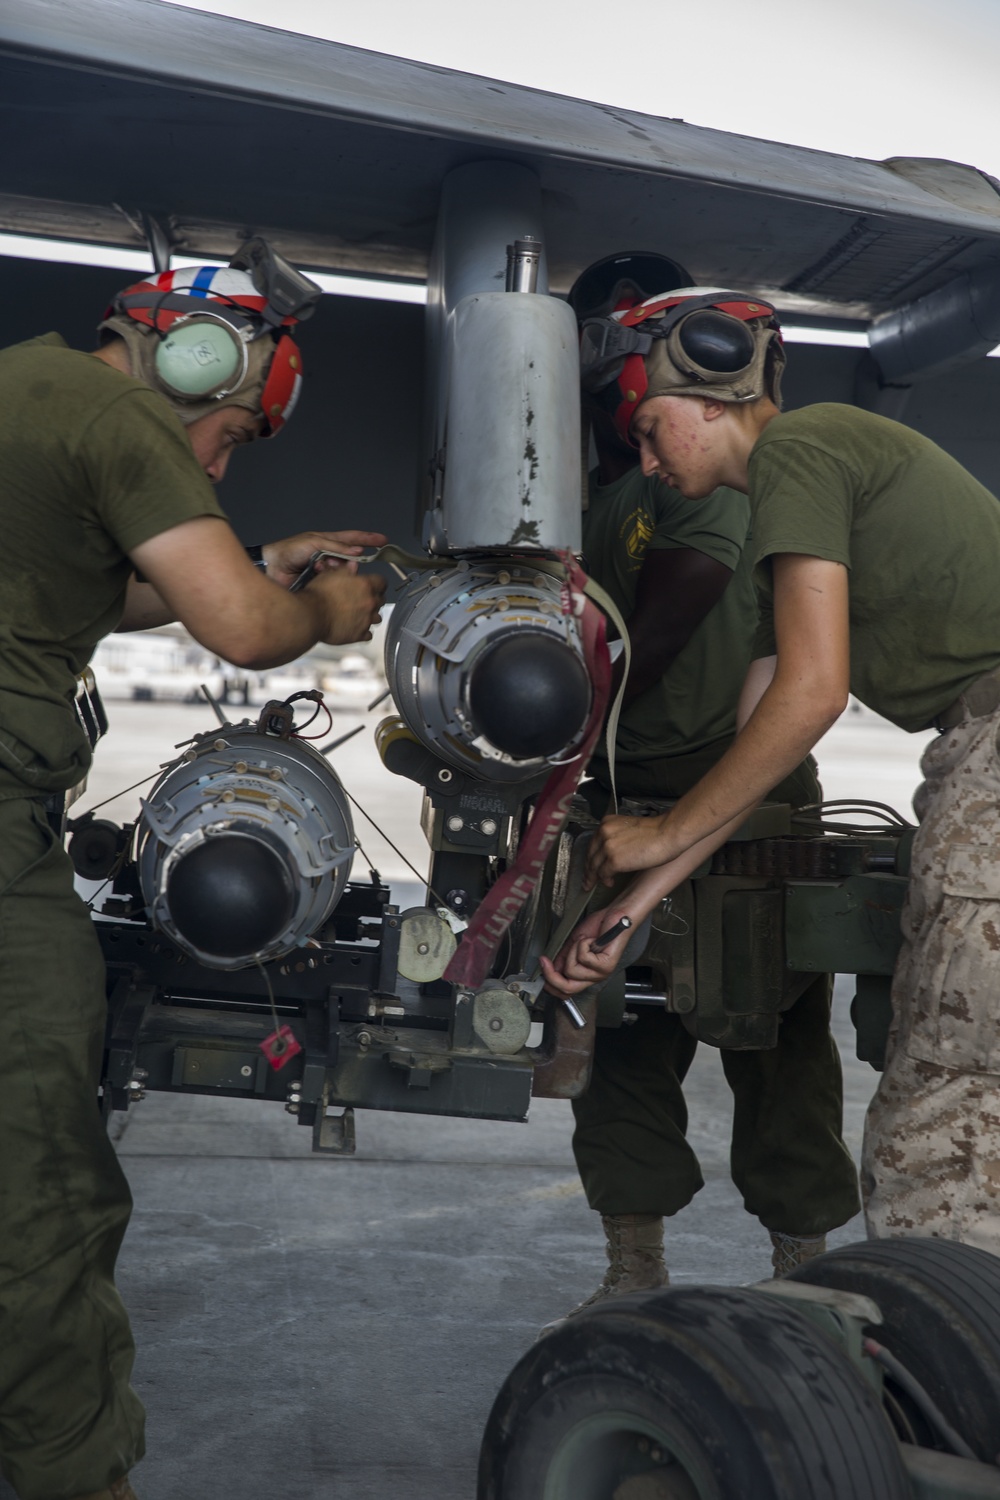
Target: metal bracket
x,y
126,1013
276,718
322,1035
388,979
333,1135
160,239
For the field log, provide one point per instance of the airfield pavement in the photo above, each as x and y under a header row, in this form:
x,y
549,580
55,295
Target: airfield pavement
x,y
338,1329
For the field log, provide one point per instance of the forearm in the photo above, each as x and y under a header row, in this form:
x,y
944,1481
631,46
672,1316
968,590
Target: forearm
x,y
262,626
144,609
206,581
648,889
778,736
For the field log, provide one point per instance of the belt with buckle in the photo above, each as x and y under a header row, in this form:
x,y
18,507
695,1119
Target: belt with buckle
x,y
980,699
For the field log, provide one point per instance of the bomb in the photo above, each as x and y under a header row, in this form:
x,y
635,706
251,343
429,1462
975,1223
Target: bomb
x,y
487,669
244,849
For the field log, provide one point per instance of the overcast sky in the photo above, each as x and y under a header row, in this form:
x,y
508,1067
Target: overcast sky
x,y
872,78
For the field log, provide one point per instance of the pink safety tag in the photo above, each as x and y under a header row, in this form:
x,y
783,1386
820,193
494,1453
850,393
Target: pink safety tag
x,y
280,1047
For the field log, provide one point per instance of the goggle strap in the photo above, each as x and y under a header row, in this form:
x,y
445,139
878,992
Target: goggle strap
x,y
668,317
605,342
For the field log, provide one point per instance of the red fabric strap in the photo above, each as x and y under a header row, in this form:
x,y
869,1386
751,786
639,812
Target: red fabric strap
x,y
474,956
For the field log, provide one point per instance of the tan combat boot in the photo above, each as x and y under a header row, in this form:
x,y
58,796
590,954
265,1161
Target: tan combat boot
x,y
120,1490
794,1250
635,1260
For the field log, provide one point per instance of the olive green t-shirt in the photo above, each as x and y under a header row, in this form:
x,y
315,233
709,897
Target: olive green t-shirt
x,y
92,463
694,703
920,537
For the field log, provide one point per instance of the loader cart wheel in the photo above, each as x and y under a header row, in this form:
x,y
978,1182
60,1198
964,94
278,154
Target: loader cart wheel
x,y
688,1393
940,1305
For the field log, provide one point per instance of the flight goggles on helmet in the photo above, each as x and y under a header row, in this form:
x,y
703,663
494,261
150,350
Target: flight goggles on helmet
x,y
209,336
691,342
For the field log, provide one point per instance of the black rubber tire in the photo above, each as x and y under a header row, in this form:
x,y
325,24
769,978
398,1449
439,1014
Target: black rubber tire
x,y
940,1305
748,1396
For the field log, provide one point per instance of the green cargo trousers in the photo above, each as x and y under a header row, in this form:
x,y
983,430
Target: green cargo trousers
x,y
787,1156
69,1422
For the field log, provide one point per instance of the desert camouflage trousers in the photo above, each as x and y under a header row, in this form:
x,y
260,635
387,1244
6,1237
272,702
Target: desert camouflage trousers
x,y
931,1161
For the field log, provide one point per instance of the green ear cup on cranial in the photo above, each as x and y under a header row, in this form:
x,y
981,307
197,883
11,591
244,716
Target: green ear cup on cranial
x,y
197,359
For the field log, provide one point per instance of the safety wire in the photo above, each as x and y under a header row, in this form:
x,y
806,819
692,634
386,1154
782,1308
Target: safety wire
x,y
278,1044
123,857
114,797
116,868
314,696
161,770
395,848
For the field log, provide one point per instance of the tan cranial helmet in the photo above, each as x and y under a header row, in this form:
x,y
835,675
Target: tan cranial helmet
x,y
697,341
206,337
247,383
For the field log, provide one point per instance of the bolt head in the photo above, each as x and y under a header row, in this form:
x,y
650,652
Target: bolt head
x,y
496,1024
488,826
246,1071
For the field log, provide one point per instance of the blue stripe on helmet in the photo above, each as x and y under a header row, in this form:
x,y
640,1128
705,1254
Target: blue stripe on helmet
x,y
201,284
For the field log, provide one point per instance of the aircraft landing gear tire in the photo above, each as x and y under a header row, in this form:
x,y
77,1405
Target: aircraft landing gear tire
x,y
940,1305
688,1393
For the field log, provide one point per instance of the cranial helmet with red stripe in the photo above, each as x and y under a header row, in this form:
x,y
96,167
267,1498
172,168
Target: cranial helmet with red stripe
x,y
211,336
694,341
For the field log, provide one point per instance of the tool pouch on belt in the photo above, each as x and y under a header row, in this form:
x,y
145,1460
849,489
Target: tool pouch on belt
x,y
719,952
717,948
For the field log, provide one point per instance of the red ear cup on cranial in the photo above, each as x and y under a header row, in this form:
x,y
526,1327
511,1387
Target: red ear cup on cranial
x,y
715,341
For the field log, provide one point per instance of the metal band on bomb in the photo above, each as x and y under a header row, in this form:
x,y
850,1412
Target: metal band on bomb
x,y
487,669
245,849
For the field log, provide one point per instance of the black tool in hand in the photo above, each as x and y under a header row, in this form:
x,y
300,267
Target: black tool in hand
x,y
622,925
309,571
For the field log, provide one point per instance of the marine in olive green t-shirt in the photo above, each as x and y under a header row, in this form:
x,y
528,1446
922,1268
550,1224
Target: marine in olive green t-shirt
x,y
92,463
693,706
918,534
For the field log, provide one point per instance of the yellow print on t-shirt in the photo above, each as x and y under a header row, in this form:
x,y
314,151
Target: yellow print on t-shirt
x,y
636,531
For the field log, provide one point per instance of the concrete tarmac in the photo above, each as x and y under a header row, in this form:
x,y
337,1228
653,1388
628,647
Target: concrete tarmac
x,y
338,1329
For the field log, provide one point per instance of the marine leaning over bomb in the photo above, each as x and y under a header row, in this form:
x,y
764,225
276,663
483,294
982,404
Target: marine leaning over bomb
x,y
680,576
877,557
106,469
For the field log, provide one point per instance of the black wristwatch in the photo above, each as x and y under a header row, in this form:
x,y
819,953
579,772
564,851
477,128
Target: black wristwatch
x,y
256,556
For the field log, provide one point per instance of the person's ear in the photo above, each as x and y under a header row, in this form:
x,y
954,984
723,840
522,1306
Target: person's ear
x,y
712,410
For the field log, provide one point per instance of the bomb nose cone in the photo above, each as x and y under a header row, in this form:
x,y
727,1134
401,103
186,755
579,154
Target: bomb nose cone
x,y
529,694
231,895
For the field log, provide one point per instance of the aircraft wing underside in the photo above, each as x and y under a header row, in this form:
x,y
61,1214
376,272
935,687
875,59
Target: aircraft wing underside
x,y
339,155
